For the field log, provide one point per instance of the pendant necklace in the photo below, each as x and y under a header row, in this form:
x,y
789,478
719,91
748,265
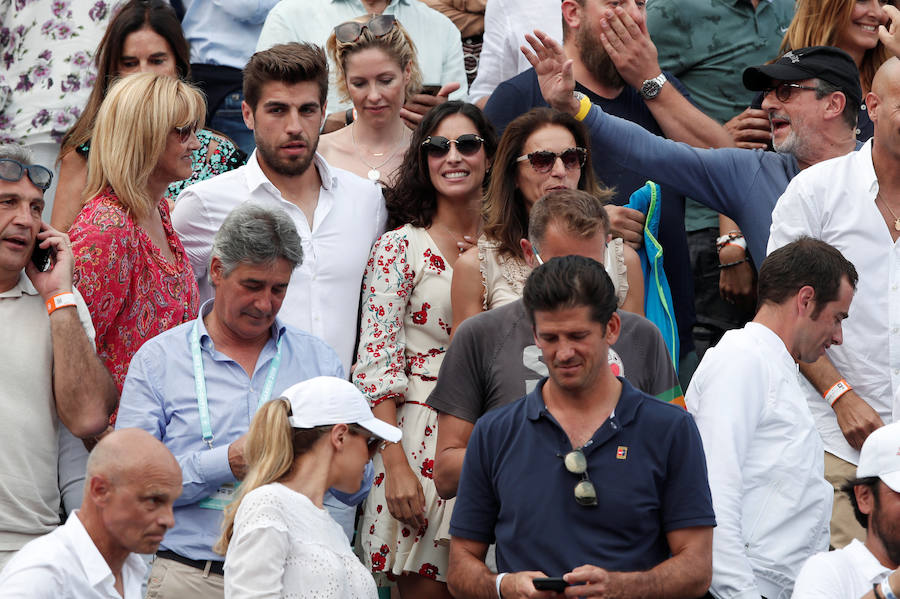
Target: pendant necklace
x,y
460,239
374,174
894,216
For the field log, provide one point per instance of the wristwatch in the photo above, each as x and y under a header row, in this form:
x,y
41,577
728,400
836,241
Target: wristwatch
x,y
650,88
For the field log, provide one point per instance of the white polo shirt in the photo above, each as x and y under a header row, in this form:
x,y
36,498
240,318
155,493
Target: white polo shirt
x,y
324,293
66,563
846,573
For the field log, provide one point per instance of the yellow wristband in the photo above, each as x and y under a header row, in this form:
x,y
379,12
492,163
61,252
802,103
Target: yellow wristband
x,y
60,300
584,107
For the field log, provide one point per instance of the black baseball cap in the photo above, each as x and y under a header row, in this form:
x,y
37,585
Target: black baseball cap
x,y
816,62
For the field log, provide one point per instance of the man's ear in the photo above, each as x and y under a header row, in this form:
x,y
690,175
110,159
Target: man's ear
x,y
216,271
872,103
834,108
528,250
247,113
865,499
806,301
571,13
613,328
99,488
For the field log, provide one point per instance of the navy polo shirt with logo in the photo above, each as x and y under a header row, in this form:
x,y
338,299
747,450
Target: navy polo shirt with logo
x,y
647,465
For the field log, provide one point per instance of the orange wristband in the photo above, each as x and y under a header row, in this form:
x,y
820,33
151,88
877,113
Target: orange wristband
x,y
60,300
836,391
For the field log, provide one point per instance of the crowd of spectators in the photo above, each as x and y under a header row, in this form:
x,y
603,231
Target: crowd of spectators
x,y
450,298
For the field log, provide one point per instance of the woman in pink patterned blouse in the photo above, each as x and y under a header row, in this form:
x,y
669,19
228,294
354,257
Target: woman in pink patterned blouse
x,y
435,202
129,264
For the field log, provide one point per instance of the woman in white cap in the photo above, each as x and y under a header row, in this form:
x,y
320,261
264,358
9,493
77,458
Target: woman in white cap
x,y
277,537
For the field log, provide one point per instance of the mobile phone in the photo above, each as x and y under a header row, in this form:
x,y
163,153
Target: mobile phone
x,y
556,584
430,90
40,257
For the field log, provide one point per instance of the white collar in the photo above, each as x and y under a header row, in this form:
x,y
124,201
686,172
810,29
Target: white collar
x,y
24,286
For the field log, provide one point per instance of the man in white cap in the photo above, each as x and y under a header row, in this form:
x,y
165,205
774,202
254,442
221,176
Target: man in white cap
x,y
853,571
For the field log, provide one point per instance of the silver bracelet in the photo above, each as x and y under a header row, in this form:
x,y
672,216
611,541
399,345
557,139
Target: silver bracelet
x,y
502,574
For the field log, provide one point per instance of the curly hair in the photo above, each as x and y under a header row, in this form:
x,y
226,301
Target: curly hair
x,y
412,199
505,213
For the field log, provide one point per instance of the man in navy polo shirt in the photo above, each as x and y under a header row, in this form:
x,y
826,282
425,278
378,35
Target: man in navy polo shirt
x,y
585,477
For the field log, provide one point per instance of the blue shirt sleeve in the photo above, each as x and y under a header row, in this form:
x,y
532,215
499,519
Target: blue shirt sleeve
x,y
477,506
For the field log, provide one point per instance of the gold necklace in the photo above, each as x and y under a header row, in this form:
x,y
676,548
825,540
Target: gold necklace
x,y
374,174
460,239
894,216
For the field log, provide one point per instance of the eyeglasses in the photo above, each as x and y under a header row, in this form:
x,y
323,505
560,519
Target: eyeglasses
x,y
185,132
13,170
783,91
351,31
372,442
576,463
543,160
467,144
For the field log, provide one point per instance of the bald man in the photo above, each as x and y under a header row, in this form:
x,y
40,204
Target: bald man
x,y
132,481
853,203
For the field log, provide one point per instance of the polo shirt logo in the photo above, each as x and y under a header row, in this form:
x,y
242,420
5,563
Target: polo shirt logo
x,y
621,452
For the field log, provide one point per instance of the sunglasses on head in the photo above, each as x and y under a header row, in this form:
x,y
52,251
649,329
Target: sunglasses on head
x,y
351,31
185,132
13,170
467,145
576,463
543,160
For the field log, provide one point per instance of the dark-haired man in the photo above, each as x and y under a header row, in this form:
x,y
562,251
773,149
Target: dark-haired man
x,y
874,493
763,453
338,215
619,477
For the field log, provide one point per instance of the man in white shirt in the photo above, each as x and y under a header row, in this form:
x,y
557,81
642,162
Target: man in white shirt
x,y
849,573
763,454
132,482
851,202
338,214
49,373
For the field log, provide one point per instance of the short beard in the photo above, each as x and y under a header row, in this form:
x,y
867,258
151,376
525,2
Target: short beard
x,y
888,532
595,59
286,168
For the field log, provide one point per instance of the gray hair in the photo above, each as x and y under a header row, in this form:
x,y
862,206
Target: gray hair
x,y
257,234
16,152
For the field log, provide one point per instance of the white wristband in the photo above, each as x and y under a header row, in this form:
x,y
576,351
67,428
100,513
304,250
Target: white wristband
x,y
60,300
502,574
837,391
886,589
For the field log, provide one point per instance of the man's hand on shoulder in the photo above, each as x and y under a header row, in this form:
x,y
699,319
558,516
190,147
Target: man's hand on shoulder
x,y
629,47
856,418
58,279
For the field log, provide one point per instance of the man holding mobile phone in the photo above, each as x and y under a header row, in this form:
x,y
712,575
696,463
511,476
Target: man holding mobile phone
x,y
49,370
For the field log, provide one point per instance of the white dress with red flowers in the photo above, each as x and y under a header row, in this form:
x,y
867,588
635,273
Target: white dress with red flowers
x,y
405,331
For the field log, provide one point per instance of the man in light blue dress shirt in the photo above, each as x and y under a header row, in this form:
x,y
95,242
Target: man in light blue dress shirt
x,y
197,386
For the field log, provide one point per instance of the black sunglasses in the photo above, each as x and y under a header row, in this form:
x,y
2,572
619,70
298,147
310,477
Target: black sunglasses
x,y
466,144
576,463
13,170
543,160
184,133
372,442
378,26
783,91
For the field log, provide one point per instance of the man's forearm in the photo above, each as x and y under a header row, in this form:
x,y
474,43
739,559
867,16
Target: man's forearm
x,y
84,390
682,576
682,121
467,574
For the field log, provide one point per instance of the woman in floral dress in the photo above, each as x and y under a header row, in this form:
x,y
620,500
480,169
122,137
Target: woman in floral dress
x,y
435,203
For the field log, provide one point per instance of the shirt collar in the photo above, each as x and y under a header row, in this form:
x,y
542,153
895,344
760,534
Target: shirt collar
x,y
864,170
206,341
864,562
95,568
622,414
256,178
24,286
775,344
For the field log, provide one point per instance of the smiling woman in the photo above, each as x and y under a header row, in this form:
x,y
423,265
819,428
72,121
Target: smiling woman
x,y
376,70
129,265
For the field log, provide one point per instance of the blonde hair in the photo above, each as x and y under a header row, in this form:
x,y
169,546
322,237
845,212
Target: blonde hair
x,y
131,133
819,22
397,44
271,448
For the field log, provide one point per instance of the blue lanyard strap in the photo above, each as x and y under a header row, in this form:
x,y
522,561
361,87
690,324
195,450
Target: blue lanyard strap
x,y
200,381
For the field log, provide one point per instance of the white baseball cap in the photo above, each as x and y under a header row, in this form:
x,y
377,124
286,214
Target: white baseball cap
x,y
325,400
880,456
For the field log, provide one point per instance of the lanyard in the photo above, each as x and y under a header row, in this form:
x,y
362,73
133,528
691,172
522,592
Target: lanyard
x,y
200,381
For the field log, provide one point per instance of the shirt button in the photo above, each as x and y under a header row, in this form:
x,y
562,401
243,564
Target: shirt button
x,y
894,330
613,425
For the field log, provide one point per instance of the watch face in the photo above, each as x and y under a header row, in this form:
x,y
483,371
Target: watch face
x,y
650,89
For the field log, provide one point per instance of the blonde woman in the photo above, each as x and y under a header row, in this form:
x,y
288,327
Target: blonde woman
x,y
129,265
278,540
376,70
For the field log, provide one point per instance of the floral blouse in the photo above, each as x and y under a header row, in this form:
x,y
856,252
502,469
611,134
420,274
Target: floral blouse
x,y
47,64
133,293
205,164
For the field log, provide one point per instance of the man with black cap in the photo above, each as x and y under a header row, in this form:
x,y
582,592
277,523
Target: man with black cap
x,y
812,96
874,490
852,202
